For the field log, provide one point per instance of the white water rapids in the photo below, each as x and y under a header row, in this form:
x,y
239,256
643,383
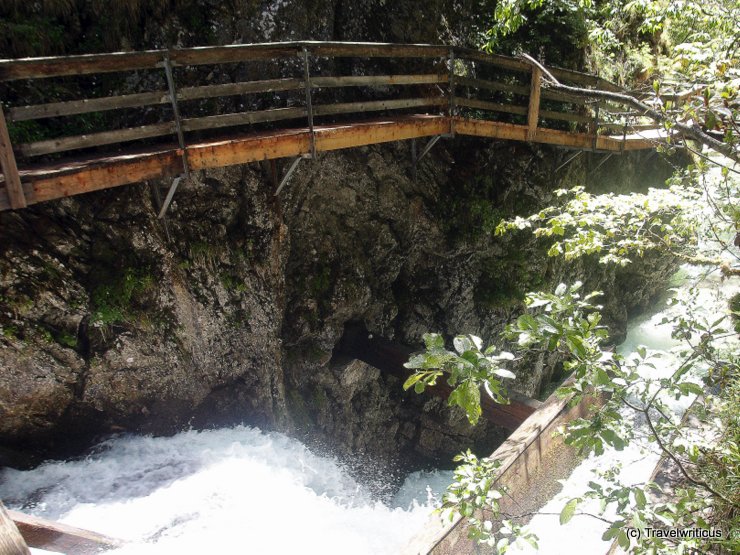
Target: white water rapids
x,y
221,491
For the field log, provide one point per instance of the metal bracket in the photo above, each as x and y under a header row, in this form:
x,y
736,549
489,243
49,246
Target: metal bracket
x,y
288,174
416,157
428,147
451,105
596,129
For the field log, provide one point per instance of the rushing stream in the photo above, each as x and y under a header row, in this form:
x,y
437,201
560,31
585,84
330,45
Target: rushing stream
x,y
220,491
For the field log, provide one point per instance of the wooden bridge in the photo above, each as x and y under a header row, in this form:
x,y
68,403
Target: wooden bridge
x,y
180,110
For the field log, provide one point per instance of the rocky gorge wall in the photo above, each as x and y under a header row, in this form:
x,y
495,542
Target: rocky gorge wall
x,y
109,325
231,309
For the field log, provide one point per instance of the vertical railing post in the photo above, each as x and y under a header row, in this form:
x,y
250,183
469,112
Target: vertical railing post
x,y
13,186
176,112
451,89
533,112
624,133
309,106
596,128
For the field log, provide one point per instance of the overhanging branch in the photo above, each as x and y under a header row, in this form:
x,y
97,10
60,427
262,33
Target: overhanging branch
x,y
691,131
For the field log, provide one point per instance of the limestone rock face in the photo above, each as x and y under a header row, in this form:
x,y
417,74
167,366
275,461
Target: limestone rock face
x,y
231,309
109,325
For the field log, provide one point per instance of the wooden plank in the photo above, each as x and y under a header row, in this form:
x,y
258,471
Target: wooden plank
x,y
11,541
96,139
107,173
532,460
16,197
505,62
375,50
514,132
32,68
241,118
250,149
387,130
565,116
492,106
493,86
533,112
548,94
630,128
377,105
55,536
123,169
233,53
378,80
232,89
84,106
329,137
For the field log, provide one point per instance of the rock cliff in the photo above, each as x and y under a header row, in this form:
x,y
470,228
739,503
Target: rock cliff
x,y
231,308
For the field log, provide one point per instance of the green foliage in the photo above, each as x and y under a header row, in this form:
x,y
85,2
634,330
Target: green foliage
x,y
115,302
556,28
707,497
66,339
473,495
614,227
10,331
467,369
511,15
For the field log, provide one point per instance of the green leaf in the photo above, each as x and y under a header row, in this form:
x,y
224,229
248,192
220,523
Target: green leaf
x,y
601,377
411,380
433,340
623,540
462,344
503,373
611,533
526,322
416,361
568,511
640,498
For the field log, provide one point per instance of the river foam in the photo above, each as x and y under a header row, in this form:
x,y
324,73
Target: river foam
x,y
227,490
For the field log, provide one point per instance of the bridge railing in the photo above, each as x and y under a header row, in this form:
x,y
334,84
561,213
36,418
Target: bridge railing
x,y
453,81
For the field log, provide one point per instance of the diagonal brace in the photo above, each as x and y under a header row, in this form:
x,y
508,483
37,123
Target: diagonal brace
x,y
568,161
288,174
170,195
428,147
602,161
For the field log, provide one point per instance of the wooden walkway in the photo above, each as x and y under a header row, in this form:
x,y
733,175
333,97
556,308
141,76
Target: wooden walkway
x,y
446,92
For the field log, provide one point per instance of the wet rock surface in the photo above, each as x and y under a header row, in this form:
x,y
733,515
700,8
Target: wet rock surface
x,y
231,309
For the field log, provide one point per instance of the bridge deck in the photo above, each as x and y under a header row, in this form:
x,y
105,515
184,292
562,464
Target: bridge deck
x,y
43,182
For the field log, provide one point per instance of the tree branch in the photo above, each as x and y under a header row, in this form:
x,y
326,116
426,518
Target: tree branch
x,y
692,131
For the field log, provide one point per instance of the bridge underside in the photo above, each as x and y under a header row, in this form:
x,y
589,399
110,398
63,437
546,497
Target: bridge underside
x,y
81,175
